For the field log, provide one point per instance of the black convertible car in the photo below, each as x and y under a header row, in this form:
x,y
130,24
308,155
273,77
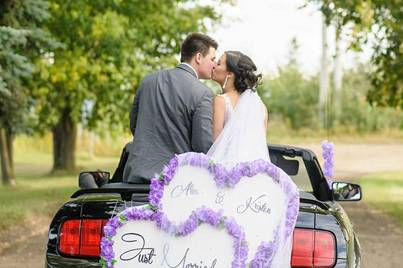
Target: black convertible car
x,y
324,236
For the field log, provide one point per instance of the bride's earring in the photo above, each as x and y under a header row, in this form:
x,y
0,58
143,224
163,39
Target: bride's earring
x,y
225,81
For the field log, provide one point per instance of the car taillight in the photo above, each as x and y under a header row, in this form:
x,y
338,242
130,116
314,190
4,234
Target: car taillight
x,y
91,231
81,237
313,248
70,237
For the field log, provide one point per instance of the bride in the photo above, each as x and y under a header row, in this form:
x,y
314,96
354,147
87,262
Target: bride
x,y
239,115
240,126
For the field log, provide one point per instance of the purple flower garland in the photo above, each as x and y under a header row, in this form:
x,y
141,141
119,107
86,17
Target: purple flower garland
x,y
130,214
265,252
201,215
328,156
223,178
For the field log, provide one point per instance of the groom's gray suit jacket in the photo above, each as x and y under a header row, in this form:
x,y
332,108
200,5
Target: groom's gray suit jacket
x,y
171,114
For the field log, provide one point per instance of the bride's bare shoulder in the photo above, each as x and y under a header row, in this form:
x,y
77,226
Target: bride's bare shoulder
x,y
219,99
219,104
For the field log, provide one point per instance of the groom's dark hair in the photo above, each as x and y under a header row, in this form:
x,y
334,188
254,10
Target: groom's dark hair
x,y
196,43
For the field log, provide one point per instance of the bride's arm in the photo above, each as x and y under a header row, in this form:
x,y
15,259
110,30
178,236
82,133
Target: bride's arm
x,y
218,116
266,117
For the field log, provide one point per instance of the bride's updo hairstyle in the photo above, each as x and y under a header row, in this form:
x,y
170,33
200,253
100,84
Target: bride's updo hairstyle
x,y
243,68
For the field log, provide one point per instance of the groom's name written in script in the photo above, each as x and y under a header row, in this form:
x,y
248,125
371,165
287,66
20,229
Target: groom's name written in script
x,y
184,190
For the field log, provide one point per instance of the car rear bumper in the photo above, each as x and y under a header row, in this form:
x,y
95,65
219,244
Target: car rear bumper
x,y
56,261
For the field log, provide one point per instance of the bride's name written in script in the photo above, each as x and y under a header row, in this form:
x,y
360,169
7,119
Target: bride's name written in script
x,y
184,190
183,262
139,252
256,205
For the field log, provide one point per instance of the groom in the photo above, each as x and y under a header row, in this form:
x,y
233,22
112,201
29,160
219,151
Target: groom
x,y
172,111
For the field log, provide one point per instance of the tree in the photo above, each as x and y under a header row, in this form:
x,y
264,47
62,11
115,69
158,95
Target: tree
x,y
337,72
21,41
380,24
109,46
290,95
324,80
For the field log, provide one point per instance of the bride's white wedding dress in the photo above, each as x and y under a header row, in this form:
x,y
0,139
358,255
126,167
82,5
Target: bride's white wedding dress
x,y
243,139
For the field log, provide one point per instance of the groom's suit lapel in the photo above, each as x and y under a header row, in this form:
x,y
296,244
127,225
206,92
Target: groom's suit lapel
x,y
186,68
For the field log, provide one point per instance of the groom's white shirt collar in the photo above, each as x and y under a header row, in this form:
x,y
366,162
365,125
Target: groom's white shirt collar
x,y
187,64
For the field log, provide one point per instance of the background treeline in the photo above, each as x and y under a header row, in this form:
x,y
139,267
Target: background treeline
x,y
70,69
292,99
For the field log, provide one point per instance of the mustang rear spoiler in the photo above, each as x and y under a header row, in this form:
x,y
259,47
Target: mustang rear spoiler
x,y
125,193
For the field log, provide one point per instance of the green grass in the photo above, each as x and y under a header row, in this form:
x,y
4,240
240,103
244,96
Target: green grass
x,y
33,196
38,193
280,133
385,192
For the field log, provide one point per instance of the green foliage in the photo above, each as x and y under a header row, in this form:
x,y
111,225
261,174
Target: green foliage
x,y
357,113
290,96
109,46
292,99
380,24
21,42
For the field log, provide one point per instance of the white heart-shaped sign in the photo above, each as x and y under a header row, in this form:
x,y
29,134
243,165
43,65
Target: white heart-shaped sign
x,y
258,195
135,239
256,202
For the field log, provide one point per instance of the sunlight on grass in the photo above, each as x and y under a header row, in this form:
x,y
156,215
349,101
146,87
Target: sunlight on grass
x,y
32,197
10,214
279,133
37,191
385,192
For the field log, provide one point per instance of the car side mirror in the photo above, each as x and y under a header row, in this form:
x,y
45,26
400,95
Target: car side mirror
x,y
344,191
93,179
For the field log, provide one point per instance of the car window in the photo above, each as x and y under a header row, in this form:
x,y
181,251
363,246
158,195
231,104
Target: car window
x,y
301,178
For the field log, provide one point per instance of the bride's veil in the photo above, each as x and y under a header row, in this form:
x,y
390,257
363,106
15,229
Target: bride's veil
x,y
243,139
244,136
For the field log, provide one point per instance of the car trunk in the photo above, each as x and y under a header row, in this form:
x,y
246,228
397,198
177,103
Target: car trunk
x,y
313,219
